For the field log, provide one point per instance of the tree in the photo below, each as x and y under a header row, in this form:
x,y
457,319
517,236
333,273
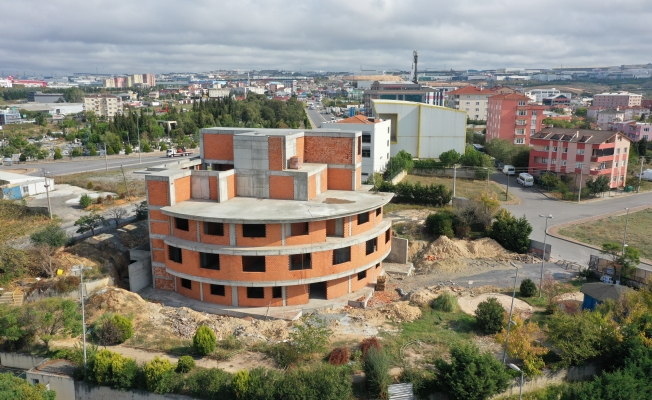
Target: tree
x,y
76,152
440,223
450,157
12,387
112,369
598,185
185,364
376,368
204,342
471,375
528,288
90,223
154,372
48,241
85,200
581,112
310,337
141,210
128,149
523,344
147,148
40,119
489,316
512,233
57,154
116,214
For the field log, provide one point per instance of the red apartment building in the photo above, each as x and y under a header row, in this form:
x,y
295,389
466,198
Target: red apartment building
x,y
587,152
267,217
511,117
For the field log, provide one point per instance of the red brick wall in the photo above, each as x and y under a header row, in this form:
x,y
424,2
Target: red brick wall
x,y
230,181
275,153
182,189
157,193
328,150
358,150
156,215
158,244
159,255
193,292
273,237
243,301
300,147
212,239
358,229
339,179
316,234
312,187
337,287
160,228
161,272
296,295
281,187
218,147
164,284
359,284
213,187
330,227
223,300
191,234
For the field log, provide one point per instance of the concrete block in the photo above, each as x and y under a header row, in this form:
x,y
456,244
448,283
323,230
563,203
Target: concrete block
x,y
399,251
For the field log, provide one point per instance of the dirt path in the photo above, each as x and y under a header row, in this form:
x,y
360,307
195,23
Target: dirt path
x,y
469,304
240,361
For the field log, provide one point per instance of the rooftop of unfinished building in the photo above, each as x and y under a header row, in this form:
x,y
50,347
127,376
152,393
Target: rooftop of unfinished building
x,y
328,205
277,132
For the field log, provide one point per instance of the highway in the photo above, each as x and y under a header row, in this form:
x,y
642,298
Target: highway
x,y
87,164
316,116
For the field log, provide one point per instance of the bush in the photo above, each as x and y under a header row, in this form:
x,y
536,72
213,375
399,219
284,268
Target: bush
x,y
203,342
112,369
98,188
489,316
423,381
240,384
401,162
367,344
511,233
440,224
85,201
112,329
446,302
310,337
124,325
89,186
154,372
528,288
185,364
147,148
471,375
436,195
323,382
339,356
141,209
13,387
99,200
209,384
450,157
376,368
262,383
57,154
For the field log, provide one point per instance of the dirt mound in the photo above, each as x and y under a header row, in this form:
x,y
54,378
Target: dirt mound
x,y
402,311
444,247
422,297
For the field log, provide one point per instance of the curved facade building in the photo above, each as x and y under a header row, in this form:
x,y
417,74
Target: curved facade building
x,y
267,218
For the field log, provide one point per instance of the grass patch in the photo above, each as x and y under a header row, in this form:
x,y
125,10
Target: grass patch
x,y
612,229
401,207
469,188
107,181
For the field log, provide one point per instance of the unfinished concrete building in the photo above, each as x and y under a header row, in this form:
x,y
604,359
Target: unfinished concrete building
x,y
267,217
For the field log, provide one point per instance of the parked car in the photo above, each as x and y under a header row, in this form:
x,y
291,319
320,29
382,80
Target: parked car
x,y
646,175
525,179
509,170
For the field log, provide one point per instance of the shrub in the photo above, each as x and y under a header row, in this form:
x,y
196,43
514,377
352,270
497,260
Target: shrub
x,y
323,382
147,148
89,186
489,316
98,188
108,198
57,154
240,384
154,372
471,375
141,209
13,387
510,232
310,337
99,200
262,383
376,368
66,284
230,343
440,224
284,354
185,364
124,325
423,381
339,356
209,384
528,288
446,302
112,329
436,195
203,342
85,201
112,369
367,344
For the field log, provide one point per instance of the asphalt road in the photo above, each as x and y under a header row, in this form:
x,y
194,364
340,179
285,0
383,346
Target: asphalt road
x,y
534,203
317,117
64,167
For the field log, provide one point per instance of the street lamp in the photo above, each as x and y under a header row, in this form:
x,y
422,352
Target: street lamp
x,y
625,236
486,171
80,269
515,368
511,311
47,190
139,151
543,257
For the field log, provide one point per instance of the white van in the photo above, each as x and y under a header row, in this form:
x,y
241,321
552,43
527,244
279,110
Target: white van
x,y
525,179
509,170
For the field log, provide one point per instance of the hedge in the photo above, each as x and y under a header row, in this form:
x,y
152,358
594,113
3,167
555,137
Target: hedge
x,y
401,162
436,195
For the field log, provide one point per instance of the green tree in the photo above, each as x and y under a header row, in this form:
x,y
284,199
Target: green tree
x,y
73,95
450,157
581,112
185,364
204,341
471,375
511,233
48,241
112,369
376,368
90,223
12,387
76,152
57,154
310,337
128,149
85,201
40,119
528,288
440,223
154,371
240,384
31,151
147,148
489,316
598,185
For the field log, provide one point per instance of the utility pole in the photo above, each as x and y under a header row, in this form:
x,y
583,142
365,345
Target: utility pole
x,y
625,235
487,188
640,175
511,310
81,269
106,162
454,178
507,192
140,160
579,190
125,180
47,191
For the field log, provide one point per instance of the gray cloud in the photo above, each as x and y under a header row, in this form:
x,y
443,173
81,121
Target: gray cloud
x,y
125,36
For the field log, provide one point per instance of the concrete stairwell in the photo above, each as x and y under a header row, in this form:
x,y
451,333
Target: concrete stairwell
x,y
14,298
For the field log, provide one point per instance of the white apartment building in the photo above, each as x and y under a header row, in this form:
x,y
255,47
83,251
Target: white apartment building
x,y
537,95
473,100
103,105
375,141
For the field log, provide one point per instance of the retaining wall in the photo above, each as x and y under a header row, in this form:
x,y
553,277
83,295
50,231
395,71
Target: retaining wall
x,y
20,361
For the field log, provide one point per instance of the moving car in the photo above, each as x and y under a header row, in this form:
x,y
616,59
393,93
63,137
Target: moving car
x,y
509,170
525,179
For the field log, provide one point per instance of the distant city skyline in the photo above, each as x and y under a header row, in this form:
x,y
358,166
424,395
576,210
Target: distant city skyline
x,y
163,36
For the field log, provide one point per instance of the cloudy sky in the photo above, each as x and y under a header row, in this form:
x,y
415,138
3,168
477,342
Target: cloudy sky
x,y
129,36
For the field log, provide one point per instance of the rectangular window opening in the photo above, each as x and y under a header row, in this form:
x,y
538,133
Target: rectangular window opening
x,y
277,292
388,236
370,246
362,275
255,292
253,263
209,261
218,290
359,144
254,230
363,218
366,138
341,256
181,224
300,261
175,254
186,283
366,153
214,228
379,210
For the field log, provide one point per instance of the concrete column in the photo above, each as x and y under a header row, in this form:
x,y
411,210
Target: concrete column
x,y
232,234
234,296
198,223
284,230
350,225
350,283
284,296
171,226
175,284
171,193
201,291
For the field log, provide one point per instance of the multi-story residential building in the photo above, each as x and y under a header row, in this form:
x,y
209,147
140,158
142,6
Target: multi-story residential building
x,y
402,91
375,141
537,95
614,100
10,116
511,117
120,81
267,218
559,100
634,130
103,105
149,80
472,99
581,152
607,118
